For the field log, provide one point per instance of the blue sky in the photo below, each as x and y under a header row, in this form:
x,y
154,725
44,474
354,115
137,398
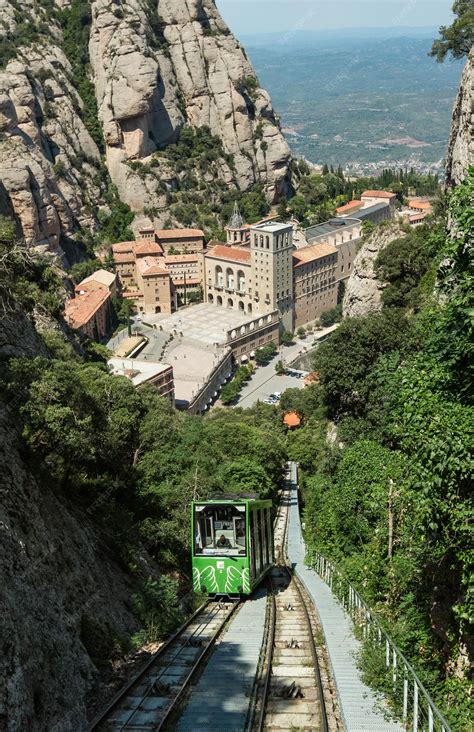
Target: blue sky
x,y
266,16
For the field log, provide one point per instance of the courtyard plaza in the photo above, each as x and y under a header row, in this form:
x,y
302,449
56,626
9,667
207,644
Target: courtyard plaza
x,y
202,323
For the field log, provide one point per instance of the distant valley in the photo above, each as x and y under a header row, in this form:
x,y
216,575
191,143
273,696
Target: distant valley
x,y
361,101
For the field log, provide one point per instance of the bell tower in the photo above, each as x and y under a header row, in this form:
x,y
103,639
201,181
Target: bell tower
x,y
235,230
271,246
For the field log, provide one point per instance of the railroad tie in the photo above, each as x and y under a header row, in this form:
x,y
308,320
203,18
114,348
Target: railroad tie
x,y
293,643
289,607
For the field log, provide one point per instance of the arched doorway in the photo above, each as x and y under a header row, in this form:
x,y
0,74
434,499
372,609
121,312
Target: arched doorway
x,y
210,298
219,300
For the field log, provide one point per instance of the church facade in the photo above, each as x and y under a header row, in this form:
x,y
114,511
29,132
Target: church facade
x,y
253,272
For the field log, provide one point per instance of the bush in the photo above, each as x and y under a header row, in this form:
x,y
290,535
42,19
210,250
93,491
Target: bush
x,y
331,316
286,338
264,354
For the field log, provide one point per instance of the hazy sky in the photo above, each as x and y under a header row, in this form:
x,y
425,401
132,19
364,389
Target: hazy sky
x,y
260,16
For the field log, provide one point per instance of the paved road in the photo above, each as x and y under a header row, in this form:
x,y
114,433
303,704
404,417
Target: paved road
x,y
265,381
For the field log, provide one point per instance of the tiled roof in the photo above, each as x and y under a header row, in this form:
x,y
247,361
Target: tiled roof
x,y
179,258
123,246
424,205
349,206
151,266
147,246
313,252
179,233
79,310
291,419
377,194
124,257
233,254
102,276
189,281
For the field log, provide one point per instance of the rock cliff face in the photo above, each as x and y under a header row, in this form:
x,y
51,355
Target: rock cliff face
x,y
461,143
188,70
156,67
364,291
48,160
61,593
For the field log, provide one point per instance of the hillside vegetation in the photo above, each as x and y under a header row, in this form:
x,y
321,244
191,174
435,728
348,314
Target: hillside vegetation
x,y
395,385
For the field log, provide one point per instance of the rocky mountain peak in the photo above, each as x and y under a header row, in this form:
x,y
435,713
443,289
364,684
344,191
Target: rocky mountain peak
x,y
83,78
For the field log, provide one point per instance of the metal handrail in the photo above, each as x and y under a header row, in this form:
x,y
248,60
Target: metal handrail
x,y
362,615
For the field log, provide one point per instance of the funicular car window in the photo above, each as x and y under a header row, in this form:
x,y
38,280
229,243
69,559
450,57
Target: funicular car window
x,y
219,530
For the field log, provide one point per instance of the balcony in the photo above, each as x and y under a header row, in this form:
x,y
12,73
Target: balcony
x,y
230,290
218,287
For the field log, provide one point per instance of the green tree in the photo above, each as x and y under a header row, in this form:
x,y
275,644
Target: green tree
x,y
81,270
456,39
286,338
280,368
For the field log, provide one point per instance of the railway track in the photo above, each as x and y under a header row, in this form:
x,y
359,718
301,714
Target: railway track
x,y
290,690
151,697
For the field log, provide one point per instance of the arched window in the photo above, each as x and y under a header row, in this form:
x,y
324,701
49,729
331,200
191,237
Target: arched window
x,y
219,300
230,303
249,308
241,305
219,276
229,276
267,242
210,298
240,281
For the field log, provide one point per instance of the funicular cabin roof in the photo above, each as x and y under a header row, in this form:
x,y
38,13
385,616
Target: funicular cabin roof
x,y
251,498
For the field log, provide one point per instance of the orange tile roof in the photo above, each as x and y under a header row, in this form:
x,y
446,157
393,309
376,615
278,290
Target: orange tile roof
x,y
378,194
79,310
425,205
179,233
235,254
101,277
418,216
291,419
147,246
349,206
123,246
177,258
124,257
312,252
148,266
189,281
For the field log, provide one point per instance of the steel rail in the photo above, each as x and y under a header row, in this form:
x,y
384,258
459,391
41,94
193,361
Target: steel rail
x,y
197,632
102,716
314,654
174,702
283,563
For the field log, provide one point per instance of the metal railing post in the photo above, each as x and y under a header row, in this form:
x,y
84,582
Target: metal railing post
x,y
372,631
405,699
415,707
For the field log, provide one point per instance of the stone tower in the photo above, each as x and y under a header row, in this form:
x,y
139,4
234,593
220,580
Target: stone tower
x,y
235,229
272,270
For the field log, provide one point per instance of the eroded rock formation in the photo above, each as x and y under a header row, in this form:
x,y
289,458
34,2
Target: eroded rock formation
x,y
48,160
364,291
155,67
461,142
